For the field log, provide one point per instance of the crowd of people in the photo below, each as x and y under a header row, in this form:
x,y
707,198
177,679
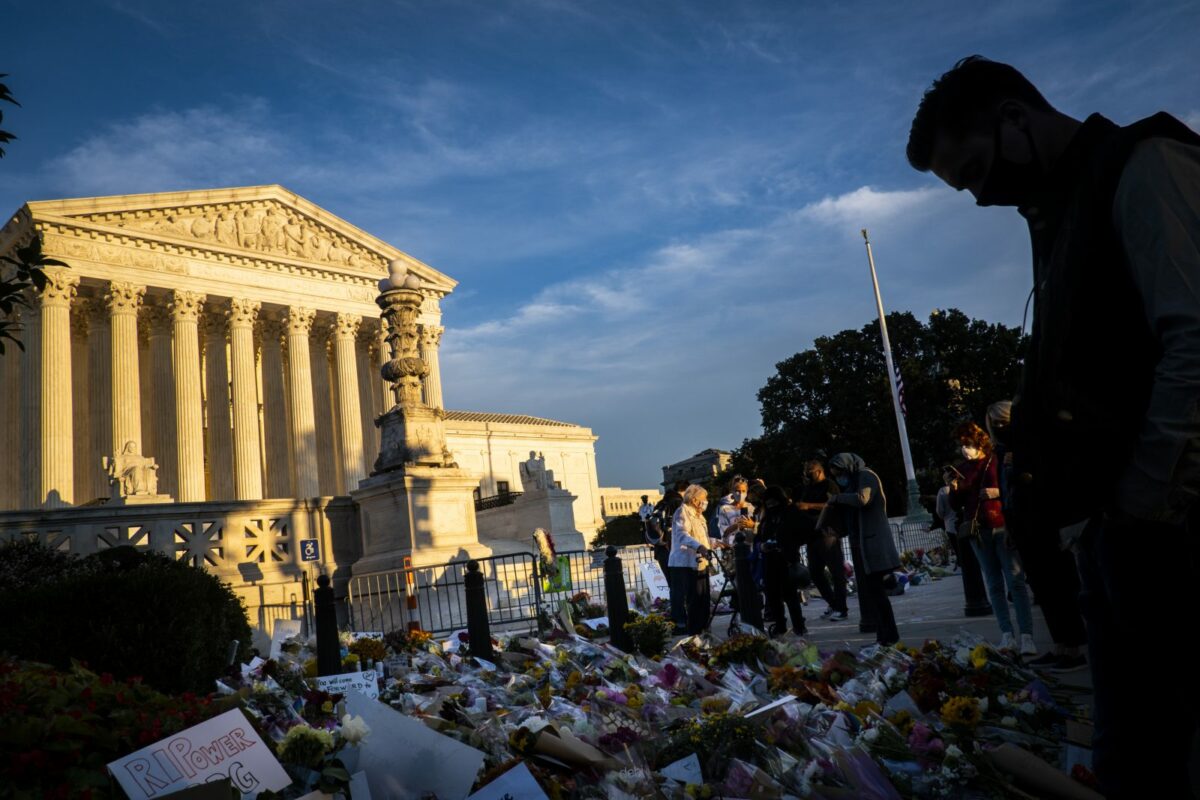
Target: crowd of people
x,y
794,538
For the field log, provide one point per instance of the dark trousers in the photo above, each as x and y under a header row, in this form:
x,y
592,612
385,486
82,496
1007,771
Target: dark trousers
x,y
872,595
678,596
661,553
692,587
782,591
1053,576
868,616
832,587
1138,737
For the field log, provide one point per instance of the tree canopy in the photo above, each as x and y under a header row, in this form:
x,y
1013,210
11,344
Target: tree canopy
x,y
835,397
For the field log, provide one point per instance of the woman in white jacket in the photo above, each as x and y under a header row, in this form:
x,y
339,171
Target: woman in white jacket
x,y
689,544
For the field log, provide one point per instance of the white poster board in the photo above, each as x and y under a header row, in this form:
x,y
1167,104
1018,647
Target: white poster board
x,y
224,746
404,758
365,682
518,782
284,629
656,581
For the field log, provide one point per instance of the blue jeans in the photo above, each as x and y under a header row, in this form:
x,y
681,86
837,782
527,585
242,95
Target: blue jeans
x,y
991,548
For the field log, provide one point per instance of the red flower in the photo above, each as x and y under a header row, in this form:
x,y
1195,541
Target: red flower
x,y
106,679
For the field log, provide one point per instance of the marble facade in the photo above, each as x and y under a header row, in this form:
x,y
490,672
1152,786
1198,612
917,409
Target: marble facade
x,y
232,335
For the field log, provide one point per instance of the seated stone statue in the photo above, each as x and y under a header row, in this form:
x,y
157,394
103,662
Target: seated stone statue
x,y
130,473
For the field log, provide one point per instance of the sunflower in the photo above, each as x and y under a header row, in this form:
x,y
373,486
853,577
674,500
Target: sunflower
x,y
961,712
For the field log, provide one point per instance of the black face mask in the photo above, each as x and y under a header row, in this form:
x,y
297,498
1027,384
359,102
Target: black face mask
x,y
1007,183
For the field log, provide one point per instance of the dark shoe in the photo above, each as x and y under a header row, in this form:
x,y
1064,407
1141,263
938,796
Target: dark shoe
x,y
1070,664
838,616
1044,661
802,631
679,630
867,627
776,630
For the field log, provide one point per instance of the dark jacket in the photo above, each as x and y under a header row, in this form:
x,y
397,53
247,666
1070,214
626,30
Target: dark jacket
x,y
1090,367
861,512
784,527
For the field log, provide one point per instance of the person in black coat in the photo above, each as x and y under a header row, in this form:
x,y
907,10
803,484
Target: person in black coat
x,y
781,532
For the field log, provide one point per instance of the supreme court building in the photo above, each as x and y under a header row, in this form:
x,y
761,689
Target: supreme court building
x,y
233,336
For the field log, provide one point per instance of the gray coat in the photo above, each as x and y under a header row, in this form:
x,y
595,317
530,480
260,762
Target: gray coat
x,y
864,515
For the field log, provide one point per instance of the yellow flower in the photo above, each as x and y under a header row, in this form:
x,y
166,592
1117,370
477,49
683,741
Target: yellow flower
x,y
865,708
979,656
961,712
903,722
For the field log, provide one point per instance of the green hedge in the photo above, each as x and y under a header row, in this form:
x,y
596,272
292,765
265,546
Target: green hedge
x,y
621,531
120,611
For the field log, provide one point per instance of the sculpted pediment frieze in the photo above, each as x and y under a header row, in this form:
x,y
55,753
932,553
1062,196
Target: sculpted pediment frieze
x,y
265,227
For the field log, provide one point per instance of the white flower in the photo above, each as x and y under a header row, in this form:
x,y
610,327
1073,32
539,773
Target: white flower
x,y
953,752
983,705
963,656
354,729
870,734
1027,708
1009,722
1003,700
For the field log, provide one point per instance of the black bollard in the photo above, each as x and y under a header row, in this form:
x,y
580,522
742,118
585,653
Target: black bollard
x,y
329,649
618,606
974,592
749,603
478,629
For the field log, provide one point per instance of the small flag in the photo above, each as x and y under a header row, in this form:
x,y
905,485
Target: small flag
x,y
900,390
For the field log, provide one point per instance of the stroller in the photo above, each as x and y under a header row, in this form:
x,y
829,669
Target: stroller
x,y
724,564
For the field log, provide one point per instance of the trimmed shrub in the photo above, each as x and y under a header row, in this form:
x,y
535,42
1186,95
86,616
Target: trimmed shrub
x,y
621,531
124,612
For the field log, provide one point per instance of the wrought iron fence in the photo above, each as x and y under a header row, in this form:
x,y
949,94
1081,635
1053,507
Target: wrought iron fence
x,y
517,591
496,501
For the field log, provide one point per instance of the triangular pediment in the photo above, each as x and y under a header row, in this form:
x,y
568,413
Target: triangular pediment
x,y
266,222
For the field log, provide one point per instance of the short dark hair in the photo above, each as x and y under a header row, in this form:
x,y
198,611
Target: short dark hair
x,y
955,101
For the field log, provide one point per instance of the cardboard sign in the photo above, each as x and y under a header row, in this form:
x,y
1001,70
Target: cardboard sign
x,y
403,757
655,580
516,784
284,629
225,746
365,682
597,623
356,635
560,582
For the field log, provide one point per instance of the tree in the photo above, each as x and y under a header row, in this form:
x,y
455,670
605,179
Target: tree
x,y
836,397
26,264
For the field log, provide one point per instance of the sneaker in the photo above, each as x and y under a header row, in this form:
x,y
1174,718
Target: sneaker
x,y
776,630
1070,664
1044,661
802,631
827,613
838,616
1007,642
1028,648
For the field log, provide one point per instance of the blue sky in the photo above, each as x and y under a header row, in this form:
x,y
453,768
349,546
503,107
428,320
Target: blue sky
x,y
647,205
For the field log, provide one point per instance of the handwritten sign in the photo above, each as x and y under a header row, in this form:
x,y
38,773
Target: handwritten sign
x,y
225,746
656,581
365,682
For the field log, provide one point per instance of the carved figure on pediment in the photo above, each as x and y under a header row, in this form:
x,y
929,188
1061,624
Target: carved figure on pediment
x,y
227,229
204,229
293,237
272,230
339,254
318,247
130,473
250,223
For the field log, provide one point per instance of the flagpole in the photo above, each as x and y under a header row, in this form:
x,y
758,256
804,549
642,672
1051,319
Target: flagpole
x,y
916,512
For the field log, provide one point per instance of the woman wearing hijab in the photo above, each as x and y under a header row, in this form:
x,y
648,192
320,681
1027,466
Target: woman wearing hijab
x,y
862,509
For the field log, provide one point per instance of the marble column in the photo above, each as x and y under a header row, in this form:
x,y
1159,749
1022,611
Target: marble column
x,y
431,384
123,301
185,311
384,354
162,397
275,401
10,419
149,445
247,459
57,436
327,460
219,442
31,403
368,396
99,382
350,432
307,478
86,485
